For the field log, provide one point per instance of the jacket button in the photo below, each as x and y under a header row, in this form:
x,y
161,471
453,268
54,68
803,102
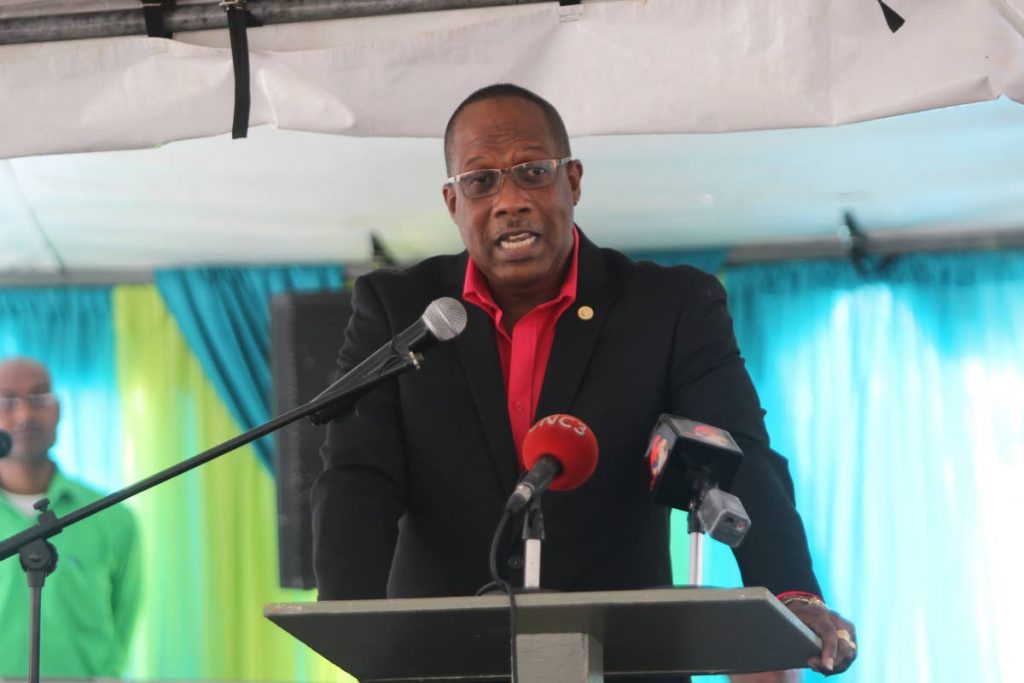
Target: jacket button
x,y
515,562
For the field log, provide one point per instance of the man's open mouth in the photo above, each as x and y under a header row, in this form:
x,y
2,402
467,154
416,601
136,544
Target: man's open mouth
x,y
517,240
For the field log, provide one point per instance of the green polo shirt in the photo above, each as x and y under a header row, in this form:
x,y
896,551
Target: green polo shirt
x,y
89,602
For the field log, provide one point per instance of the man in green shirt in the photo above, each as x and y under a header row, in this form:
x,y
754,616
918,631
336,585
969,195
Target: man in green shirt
x,y
90,602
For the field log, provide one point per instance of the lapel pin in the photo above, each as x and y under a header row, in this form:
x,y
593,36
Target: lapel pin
x,y
585,312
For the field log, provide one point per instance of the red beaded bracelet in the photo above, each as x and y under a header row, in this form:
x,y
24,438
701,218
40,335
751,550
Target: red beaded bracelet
x,y
799,596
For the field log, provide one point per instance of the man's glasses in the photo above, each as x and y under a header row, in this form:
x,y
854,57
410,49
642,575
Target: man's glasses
x,y
8,404
487,181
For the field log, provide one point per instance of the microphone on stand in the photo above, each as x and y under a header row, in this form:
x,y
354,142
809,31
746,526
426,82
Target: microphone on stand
x,y
6,443
560,453
688,461
444,319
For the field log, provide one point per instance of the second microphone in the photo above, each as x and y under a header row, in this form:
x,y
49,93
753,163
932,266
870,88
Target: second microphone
x,y
560,453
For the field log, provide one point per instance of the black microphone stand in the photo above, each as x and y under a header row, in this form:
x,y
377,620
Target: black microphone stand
x,y
39,557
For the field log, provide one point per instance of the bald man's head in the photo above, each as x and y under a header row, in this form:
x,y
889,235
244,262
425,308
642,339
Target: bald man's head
x,y
28,408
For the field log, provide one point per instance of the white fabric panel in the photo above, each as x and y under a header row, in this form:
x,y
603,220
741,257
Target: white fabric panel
x,y
625,67
23,244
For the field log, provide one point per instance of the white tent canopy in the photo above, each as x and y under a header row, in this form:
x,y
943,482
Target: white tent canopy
x,y
678,69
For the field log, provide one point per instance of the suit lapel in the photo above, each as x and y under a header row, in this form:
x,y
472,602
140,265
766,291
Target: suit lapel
x,y
576,333
478,351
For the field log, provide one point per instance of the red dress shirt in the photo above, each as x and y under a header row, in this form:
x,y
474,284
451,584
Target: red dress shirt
x,y
524,354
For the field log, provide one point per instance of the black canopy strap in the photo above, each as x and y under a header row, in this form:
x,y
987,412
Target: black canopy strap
x,y
894,20
238,19
570,10
153,11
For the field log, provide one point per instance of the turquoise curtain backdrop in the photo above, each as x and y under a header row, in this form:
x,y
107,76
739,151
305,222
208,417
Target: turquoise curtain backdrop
x,y
224,314
70,330
899,400
209,538
708,260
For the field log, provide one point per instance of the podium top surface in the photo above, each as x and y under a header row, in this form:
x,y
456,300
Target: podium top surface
x,y
660,631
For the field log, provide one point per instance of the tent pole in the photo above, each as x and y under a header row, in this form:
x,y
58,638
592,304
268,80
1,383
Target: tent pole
x,y
206,16
883,243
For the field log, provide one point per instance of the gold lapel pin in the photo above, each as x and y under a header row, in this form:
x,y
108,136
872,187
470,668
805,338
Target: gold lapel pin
x,y
585,312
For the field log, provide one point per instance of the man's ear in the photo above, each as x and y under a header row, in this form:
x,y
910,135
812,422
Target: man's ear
x,y
575,172
448,192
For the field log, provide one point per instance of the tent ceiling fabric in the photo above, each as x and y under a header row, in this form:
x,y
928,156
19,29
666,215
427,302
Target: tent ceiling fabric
x,y
625,66
283,196
341,97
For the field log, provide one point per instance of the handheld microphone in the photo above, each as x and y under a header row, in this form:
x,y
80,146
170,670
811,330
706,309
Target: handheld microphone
x,y
6,443
560,453
444,319
687,461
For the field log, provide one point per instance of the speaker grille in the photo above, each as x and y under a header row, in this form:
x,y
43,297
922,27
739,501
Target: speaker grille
x,y
306,332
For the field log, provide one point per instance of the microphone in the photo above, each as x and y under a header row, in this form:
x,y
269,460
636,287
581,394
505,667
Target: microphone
x,y
688,460
6,443
444,319
560,453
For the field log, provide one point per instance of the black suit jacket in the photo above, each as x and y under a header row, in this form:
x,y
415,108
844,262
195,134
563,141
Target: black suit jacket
x,y
417,474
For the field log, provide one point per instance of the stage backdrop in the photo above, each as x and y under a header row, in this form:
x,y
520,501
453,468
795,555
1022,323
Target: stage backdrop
x,y
136,399
895,393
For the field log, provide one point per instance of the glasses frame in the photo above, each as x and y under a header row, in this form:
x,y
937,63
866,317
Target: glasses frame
x,y
38,401
502,172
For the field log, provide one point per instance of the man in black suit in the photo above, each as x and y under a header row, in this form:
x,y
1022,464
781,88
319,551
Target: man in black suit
x,y
417,474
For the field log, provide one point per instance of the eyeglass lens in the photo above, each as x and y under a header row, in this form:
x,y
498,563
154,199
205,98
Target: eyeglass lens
x,y
531,175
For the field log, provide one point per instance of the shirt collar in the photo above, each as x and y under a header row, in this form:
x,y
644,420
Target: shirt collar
x,y
475,289
60,487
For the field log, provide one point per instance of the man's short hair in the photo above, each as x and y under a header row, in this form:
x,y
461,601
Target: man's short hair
x,y
491,92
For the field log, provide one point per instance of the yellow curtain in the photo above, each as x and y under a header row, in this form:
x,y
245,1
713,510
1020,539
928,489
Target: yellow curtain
x,y
210,536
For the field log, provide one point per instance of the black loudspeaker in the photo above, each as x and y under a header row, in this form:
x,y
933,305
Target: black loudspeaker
x,y
306,332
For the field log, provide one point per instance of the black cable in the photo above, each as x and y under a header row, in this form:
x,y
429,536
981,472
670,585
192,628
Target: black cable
x,y
502,584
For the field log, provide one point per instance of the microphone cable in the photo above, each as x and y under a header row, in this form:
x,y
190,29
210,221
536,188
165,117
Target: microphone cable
x,y
501,584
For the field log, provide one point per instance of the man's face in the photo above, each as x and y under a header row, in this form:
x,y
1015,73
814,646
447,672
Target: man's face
x,y
519,239
33,428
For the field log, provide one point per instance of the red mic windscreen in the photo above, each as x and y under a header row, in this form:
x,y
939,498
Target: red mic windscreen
x,y
570,441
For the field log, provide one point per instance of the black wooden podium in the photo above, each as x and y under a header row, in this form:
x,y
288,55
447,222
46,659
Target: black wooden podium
x,y
562,637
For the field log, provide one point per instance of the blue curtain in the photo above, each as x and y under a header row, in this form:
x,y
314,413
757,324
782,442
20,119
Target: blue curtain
x,y
70,330
224,315
708,260
899,400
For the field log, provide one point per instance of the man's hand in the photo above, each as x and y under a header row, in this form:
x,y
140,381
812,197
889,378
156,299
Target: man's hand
x,y
838,636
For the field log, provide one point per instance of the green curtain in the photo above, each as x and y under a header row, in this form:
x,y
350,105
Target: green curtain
x,y
209,537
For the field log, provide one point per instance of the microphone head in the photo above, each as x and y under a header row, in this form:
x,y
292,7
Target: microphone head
x,y
6,443
682,453
567,439
445,318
